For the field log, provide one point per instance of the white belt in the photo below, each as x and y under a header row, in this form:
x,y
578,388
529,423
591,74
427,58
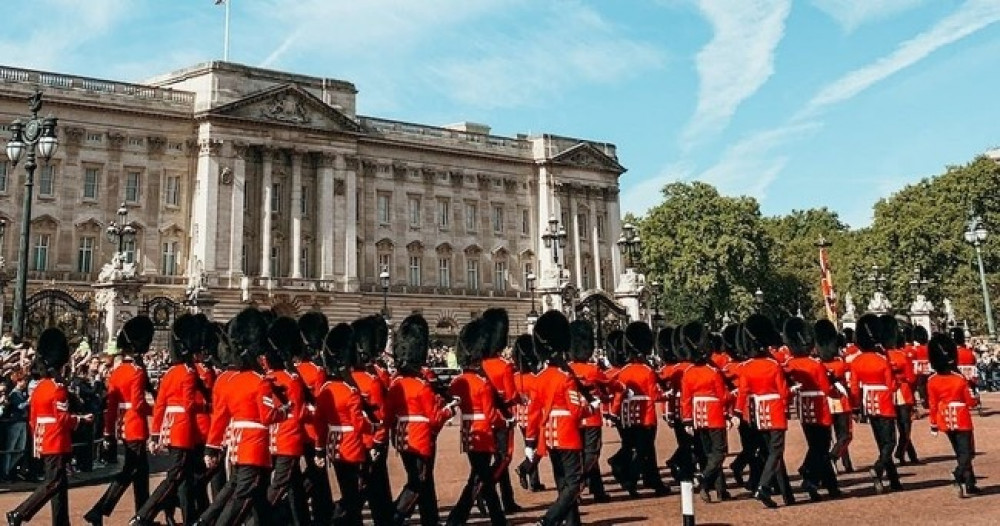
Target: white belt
x,y
560,412
810,394
638,397
765,397
125,405
45,420
697,399
956,404
176,409
246,424
474,416
341,429
414,418
869,388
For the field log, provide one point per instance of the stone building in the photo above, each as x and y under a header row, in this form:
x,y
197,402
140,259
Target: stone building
x,y
270,188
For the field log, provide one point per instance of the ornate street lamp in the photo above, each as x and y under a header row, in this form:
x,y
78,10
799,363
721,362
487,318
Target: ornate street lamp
x,y
555,238
121,232
758,299
383,278
629,244
532,314
918,283
976,234
24,137
877,278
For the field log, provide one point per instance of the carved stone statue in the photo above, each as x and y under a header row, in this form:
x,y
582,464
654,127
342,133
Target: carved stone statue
x,y
850,311
921,305
880,303
117,270
949,313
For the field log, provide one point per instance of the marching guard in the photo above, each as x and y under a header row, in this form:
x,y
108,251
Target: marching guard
x,y
524,380
906,379
593,379
950,401
827,347
313,327
500,374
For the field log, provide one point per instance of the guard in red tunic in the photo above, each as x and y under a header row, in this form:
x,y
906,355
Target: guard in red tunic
x,y
206,361
851,350
950,401
126,415
617,359
719,355
415,415
921,362
174,428
593,379
704,403
288,436
966,360
906,379
342,422
812,390
762,397
828,349
554,417
524,382
313,326
52,425
872,391
500,374
731,373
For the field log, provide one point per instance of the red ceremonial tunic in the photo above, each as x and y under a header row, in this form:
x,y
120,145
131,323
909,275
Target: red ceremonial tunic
x,y
415,415
203,420
704,397
873,385
720,359
50,420
126,413
246,407
288,436
339,411
967,364
906,378
177,406
781,355
501,374
373,394
839,404
555,412
731,374
762,394
851,352
921,360
813,390
525,385
479,412
594,379
642,391
950,402
313,376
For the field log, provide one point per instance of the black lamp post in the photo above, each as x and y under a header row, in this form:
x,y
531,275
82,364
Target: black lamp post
x,y
532,314
877,278
555,238
24,137
3,270
121,232
656,288
383,278
758,299
918,283
629,245
976,234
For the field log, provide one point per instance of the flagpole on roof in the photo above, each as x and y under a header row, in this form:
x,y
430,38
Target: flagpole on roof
x,y
225,49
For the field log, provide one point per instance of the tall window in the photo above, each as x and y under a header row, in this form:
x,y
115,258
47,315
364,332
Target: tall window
x,y
170,258
383,209
600,225
4,168
132,187
243,259
383,263
498,218
414,203
275,261
304,202
605,274
414,271
90,184
41,257
585,278
276,197
472,274
46,180
443,213
500,276
581,221
444,272
470,216
129,248
304,262
172,195
525,221
85,257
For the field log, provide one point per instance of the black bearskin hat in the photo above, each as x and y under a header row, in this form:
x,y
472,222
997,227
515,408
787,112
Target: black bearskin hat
x,y
848,336
313,326
665,345
339,349
693,338
615,348
474,342
942,353
890,331
216,341
247,338
756,336
186,337
868,332
920,335
551,335
907,331
285,340
581,338
497,322
715,343
410,347
370,336
524,354
798,336
729,339
638,339
136,335
957,335
53,349
827,339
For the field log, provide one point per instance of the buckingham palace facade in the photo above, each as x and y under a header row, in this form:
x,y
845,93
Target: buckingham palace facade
x,y
271,188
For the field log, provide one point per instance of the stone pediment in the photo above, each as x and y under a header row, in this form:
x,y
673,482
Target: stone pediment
x,y
586,155
290,105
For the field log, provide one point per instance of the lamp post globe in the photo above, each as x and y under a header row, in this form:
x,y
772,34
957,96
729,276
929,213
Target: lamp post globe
x,y
383,278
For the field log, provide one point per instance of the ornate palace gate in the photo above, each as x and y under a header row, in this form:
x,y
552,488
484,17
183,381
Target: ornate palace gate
x,y
57,308
163,311
603,312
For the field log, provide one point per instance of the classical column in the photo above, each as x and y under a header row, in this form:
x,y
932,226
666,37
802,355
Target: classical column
x,y
545,210
577,254
596,250
265,213
206,203
351,230
296,214
326,208
239,182
614,230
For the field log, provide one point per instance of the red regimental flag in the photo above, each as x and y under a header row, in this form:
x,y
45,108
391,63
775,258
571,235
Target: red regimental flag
x,y
826,286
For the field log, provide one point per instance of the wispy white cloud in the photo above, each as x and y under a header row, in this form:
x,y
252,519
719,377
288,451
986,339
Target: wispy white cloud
x,y
525,69
971,17
851,14
737,61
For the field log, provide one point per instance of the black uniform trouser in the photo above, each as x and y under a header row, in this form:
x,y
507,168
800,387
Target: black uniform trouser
x,y
179,483
54,489
418,490
816,467
349,479
501,462
964,445
644,457
567,467
922,389
135,472
214,478
377,492
773,470
620,460
904,426
286,479
842,431
249,491
478,485
219,501
713,443
748,446
591,460
317,488
682,460
884,431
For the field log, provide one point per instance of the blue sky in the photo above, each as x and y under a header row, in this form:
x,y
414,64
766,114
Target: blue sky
x,y
800,103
